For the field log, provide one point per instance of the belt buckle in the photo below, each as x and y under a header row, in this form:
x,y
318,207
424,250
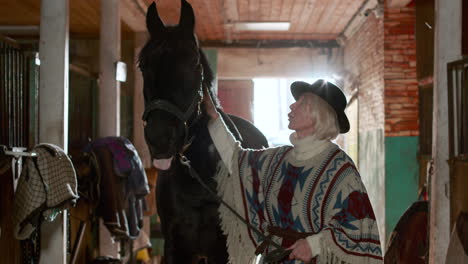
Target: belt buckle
x,y
276,255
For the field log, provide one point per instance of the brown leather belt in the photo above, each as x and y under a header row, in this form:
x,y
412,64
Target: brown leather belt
x,y
288,234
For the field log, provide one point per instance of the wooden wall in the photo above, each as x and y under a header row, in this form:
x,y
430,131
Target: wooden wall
x,y
236,97
248,63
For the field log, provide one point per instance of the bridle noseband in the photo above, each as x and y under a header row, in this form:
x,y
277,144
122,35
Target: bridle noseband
x,y
167,106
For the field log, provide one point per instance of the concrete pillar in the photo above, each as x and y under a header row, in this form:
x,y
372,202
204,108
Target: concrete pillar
x,y
447,48
109,54
53,109
138,104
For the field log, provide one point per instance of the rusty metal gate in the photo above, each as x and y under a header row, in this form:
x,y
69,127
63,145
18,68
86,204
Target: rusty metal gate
x,y
458,136
18,127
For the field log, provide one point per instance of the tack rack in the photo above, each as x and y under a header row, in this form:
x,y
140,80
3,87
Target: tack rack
x,y
17,154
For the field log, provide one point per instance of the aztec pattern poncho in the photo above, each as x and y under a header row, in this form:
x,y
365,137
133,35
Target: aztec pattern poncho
x,y
322,195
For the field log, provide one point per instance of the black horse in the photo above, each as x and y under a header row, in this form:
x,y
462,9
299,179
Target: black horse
x,y
175,71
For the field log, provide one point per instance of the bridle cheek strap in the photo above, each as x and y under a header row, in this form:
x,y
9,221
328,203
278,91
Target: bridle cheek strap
x,y
169,107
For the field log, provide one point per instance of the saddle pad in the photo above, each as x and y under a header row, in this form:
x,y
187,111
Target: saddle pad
x,y
120,153
47,185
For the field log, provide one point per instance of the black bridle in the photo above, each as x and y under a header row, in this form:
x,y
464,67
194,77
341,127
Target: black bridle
x,y
167,106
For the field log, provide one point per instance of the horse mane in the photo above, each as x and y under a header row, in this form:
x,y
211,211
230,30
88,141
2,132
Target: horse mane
x,y
208,77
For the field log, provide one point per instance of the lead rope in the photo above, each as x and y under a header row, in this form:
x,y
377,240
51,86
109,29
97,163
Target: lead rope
x,y
274,256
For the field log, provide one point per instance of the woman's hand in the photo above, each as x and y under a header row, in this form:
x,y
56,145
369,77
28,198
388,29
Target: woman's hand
x,y
209,105
301,251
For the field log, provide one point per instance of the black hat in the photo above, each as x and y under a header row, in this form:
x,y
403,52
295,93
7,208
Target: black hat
x,y
328,92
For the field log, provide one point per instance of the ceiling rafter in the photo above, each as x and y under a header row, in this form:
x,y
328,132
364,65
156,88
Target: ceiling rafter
x,y
310,19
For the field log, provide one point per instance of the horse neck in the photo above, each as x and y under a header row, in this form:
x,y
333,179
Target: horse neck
x,y
200,136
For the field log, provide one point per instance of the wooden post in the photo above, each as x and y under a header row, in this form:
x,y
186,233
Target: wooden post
x,y
53,109
109,96
109,54
447,48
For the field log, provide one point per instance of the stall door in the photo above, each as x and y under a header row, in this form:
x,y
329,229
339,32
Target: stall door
x,y
18,119
458,137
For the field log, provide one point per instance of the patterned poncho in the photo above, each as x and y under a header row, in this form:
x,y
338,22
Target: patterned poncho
x,y
318,192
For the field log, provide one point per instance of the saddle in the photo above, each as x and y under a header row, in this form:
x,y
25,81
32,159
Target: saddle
x,y
457,251
121,185
408,243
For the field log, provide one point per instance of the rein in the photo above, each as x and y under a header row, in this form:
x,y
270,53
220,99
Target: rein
x,y
274,256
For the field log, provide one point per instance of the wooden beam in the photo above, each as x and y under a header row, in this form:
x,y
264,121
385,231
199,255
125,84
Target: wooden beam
x,y
398,3
133,15
286,43
230,11
358,19
246,63
230,15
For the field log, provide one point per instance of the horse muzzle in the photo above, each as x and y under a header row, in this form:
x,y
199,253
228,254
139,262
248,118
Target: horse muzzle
x,y
162,164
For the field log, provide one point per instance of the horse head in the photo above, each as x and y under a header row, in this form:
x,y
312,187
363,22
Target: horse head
x,y
174,71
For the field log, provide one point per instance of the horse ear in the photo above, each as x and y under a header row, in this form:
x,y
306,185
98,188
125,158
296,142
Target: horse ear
x,y
187,17
153,22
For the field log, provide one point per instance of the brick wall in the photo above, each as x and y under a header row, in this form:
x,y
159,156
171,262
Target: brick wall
x,y
401,87
364,66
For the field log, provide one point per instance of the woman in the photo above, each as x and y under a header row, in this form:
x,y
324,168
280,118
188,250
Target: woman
x,y
309,197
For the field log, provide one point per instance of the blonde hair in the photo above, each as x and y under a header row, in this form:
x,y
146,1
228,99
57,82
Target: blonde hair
x,y
323,117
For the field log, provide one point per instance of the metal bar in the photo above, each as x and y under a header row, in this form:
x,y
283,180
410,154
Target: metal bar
x,y
458,108
9,95
457,73
464,108
3,116
14,82
18,97
450,108
14,92
23,97
19,82
11,85
17,152
11,42
78,240
33,101
456,98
